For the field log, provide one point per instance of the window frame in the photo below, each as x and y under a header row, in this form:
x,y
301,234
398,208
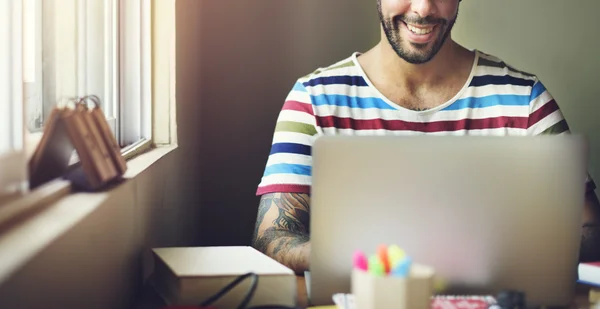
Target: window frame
x,y
89,52
32,66
135,67
148,22
13,167
127,68
26,205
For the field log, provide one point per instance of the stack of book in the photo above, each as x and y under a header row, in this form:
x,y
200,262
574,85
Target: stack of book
x,y
589,274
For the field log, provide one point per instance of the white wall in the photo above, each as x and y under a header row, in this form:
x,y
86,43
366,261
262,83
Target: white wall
x,y
557,40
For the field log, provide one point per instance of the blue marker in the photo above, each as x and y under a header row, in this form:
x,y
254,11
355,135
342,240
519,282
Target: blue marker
x,y
403,268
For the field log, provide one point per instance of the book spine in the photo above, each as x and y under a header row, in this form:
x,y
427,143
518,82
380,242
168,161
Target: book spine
x,y
112,145
106,162
86,148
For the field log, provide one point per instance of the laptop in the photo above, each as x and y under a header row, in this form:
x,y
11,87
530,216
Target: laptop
x,y
488,213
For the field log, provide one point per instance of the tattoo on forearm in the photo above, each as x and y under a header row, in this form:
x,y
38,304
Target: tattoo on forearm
x,y
285,240
293,213
287,230
590,236
263,208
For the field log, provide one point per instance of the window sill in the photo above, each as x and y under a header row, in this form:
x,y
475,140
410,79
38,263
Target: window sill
x,y
32,223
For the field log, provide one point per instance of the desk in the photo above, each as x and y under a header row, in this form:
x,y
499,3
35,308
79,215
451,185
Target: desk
x,y
150,300
302,294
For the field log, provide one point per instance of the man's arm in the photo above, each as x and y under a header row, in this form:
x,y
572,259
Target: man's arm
x,y
590,238
282,229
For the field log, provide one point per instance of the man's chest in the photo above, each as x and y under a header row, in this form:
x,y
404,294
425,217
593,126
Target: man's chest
x,y
375,116
420,101
420,98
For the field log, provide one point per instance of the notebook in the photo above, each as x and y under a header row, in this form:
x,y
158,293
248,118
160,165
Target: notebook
x,y
346,301
589,273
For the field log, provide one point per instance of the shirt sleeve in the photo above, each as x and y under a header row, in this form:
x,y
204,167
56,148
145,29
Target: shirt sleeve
x,y
546,118
289,164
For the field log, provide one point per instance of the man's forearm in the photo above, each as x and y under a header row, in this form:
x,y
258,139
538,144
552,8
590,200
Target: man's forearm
x,y
289,249
590,236
590,244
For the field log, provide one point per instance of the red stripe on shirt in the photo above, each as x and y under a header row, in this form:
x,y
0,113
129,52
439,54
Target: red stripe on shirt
x,y
436,126
542,112
283,188
298,106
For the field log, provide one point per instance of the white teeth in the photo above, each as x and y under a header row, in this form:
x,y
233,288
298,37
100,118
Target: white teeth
x,y
420,31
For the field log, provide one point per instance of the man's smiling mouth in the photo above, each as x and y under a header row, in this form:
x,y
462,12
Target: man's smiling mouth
x,y
420,30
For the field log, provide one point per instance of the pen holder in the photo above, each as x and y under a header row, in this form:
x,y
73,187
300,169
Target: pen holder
x,y
387,292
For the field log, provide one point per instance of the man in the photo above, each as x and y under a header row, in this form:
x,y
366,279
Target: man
x,y
417,80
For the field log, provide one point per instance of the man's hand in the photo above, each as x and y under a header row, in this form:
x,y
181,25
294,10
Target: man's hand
x,y
282,229
590,238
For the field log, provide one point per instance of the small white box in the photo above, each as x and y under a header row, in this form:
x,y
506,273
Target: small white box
x,y
188,276
388,292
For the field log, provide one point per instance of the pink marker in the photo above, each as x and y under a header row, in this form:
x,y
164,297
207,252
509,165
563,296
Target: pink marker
x,y
360,261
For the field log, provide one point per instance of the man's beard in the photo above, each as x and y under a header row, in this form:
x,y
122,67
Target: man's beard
x,y
392,28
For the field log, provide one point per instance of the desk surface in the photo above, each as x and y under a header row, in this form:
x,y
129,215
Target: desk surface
x,y
150,300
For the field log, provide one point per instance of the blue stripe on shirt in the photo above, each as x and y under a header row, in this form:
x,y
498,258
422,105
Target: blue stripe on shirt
x,y
299,87
285,168
291,148
489,101
333,80
349,101
485,80
537,90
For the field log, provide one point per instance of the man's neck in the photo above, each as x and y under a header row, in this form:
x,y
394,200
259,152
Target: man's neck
x,y
450,58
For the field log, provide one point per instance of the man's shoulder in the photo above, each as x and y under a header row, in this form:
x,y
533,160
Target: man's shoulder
x,y
490,64
346,67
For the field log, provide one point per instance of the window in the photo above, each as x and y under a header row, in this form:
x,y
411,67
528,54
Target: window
x,y
12,163
81,47
56,49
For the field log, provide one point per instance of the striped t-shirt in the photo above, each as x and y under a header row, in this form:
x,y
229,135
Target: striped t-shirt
x,y
496,100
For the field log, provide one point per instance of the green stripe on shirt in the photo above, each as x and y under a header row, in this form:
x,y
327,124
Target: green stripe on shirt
x,y
346,64
296,127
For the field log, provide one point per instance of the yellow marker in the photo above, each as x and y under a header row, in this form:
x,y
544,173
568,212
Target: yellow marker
x,y
395,255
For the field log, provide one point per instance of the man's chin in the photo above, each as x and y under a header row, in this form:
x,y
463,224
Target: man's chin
x,y
417,61
419,47
417,57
